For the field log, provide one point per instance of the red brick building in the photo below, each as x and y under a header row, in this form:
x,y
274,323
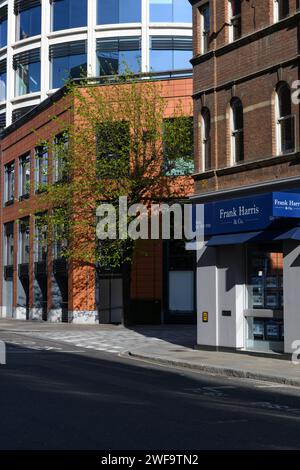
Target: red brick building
x,y
246,67
37,283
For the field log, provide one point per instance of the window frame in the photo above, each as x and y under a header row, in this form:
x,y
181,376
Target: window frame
x,y
18,23
232,19
23,186
9,183
58,170
40,152
8,258
204,34
24,241
277,4
280,119
205,140
235,134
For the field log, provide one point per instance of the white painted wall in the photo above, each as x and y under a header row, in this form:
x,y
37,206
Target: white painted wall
x,y
221,286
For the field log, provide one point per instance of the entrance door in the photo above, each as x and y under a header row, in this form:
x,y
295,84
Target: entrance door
x,y
110,299
179,284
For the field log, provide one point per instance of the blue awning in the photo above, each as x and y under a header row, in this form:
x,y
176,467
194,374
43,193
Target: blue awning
x,y
254,237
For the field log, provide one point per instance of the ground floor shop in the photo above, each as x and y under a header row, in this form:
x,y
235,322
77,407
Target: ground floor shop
x,y
248,273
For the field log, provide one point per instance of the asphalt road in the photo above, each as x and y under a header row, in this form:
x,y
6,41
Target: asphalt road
x,y
69,398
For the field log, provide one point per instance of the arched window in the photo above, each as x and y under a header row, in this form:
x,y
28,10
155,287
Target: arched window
x,y
205,139
237,131
285,121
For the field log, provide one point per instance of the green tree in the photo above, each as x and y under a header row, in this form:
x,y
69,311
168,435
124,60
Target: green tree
x,y
117,143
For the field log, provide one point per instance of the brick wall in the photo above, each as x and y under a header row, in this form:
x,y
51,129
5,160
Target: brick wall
x,y
250,68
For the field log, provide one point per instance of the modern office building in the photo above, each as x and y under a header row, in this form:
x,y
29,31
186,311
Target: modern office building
x,y
37,282
43,42
246,110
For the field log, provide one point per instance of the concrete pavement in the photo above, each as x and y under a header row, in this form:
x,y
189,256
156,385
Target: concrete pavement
x,y
228,364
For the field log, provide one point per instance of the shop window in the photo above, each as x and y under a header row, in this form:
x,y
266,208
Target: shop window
x,y
265,292
28,18
265,278
9,183
235,19
3,26
285,120
178,153
170,53
119,55
170,11
237,131
68,60
68,14
206,139
24,241
27,71
119,11
281,9
24,177
41,167
204,28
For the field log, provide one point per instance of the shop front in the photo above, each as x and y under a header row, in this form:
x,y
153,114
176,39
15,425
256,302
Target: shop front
x,y
248,273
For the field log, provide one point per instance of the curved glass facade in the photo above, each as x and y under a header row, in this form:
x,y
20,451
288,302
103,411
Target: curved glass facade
x,y
44,42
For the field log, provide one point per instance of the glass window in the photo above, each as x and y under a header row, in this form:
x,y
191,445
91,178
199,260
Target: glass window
x,y
64,68
3,30
9,183
285,120
237,130
29,22
168,11
9,244
265,277
119,11
206,139
178,158
60,242
118,56
204,28
282,9
24,176
170,53
41,167
113,149
41,240
68,14
60,150
161,60
28,78
24,241
2,86
235,19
